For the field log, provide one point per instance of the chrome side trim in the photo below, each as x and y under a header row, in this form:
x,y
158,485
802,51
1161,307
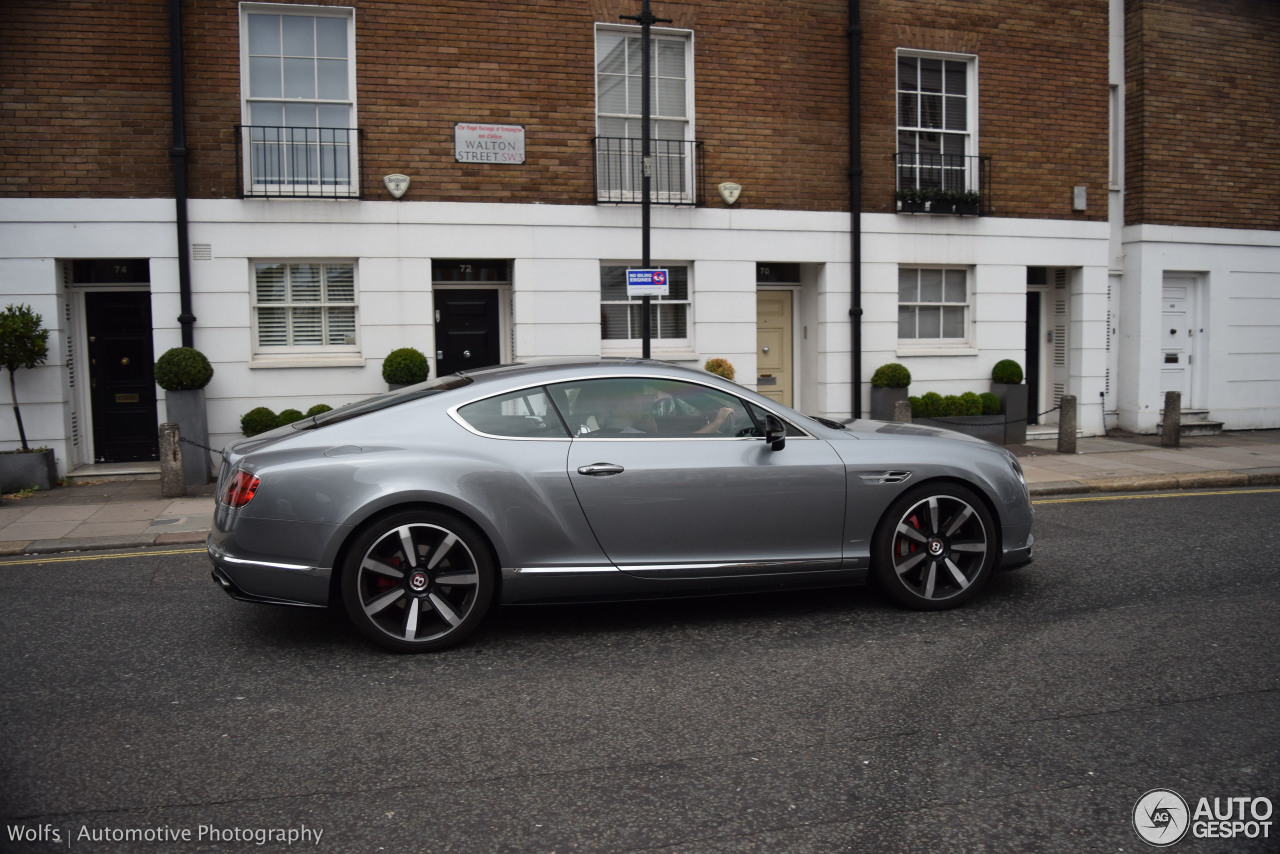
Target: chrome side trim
x,y
561,570
218,554
752,567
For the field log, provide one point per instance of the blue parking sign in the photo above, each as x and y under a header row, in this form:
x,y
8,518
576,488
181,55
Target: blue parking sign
x,y
651,283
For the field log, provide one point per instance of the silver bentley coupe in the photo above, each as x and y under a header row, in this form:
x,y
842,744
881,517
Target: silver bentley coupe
x,y
420,509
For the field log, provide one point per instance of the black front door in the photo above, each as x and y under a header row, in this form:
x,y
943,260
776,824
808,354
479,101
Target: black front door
x,y
121,378
467,329
1033,357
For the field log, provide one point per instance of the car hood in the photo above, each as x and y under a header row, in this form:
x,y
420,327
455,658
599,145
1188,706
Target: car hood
x,y
866,428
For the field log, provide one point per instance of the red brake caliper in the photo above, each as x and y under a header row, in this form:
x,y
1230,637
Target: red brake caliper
x,y
906,546
384,583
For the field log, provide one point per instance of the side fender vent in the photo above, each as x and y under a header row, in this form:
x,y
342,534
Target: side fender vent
x,y
888,477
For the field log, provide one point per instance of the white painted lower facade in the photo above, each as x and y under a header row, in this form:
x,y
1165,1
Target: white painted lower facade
x,y
551,304
1199,313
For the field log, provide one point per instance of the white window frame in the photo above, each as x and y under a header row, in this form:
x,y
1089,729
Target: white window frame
x,y
321,139
909,176
963,343
629,153
634,346
295,355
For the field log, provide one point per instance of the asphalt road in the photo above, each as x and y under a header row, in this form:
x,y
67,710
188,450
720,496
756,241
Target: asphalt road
x,y
1140,651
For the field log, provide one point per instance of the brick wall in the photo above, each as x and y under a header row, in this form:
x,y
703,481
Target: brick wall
x,y
772,118
84,99
770,103
1042,96
1202,80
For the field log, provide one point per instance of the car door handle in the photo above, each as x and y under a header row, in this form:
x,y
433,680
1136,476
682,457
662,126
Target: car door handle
x,y
600,469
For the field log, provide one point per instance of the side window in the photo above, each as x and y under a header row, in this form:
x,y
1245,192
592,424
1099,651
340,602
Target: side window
x,y
638,407
525,414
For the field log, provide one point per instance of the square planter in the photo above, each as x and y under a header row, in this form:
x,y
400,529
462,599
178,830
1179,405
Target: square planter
x,y
21,470
883,400
990,428
1013,403
187,409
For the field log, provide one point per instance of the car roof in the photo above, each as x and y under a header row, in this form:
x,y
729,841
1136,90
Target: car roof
x,y
551,370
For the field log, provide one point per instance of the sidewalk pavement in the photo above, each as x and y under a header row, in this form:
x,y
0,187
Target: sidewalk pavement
x,y
126,514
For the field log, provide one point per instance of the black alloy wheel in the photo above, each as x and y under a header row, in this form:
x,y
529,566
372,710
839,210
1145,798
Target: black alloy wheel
x,y
418,581
935,547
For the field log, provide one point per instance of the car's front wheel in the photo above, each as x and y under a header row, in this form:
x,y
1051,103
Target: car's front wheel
x,y
418,581
935,547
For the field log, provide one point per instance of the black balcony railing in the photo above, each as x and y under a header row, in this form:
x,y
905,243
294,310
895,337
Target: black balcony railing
x,y
675,179
297,162
943,183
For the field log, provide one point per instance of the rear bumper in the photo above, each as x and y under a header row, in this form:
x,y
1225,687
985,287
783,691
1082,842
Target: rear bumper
x,y
268,582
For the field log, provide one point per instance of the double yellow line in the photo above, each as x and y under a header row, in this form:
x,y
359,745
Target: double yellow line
x,y
79,556
1080,499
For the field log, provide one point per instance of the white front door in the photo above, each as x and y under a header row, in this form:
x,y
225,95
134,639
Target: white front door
x,y
1178,336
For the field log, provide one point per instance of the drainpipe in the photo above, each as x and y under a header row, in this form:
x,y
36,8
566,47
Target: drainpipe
x,y
179,159
855,198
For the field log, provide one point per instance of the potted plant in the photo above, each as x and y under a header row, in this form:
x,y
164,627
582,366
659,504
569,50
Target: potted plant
x,y
968,203
888,386
913,200
1006,384
24,343
183,372
720,367
405,366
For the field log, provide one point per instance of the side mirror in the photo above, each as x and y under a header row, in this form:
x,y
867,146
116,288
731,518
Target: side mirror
x,y
775,432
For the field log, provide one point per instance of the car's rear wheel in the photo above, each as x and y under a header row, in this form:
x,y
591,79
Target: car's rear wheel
x,y
418,581
935,547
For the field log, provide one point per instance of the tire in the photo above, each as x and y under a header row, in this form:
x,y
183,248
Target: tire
x,y
418,581
935,547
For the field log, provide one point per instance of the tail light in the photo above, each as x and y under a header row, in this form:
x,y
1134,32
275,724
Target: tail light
x,y
240,489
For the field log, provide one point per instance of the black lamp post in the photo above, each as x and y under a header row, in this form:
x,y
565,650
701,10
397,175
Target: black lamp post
x,y
646,20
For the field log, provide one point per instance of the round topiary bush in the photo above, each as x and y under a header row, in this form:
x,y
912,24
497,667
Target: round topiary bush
x,y
953,405
892,375
258,420
405,366
928,405
183,368
971,403
288,416
990,403
319,408
720,367
1007,371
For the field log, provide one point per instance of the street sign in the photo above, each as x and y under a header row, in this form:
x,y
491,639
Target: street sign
x,y
647,283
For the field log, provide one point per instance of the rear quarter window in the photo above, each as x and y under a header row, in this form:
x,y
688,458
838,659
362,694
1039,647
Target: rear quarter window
x,y
525,414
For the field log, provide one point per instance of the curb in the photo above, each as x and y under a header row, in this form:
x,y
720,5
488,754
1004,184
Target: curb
x,y
42,547
1155,482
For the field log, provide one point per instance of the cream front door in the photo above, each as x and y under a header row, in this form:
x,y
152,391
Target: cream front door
x,y
773,342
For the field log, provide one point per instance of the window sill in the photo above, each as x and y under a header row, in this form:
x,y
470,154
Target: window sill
x,y
936,350
671,354
301,360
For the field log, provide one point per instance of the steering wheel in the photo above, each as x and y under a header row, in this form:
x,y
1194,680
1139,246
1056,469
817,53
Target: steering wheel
x,y
727,426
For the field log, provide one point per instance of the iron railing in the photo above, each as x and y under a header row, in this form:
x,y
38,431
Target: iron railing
x,y
942,183
298,162
675,177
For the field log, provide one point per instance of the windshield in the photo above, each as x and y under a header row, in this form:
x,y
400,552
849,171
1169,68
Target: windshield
x,y
383,401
